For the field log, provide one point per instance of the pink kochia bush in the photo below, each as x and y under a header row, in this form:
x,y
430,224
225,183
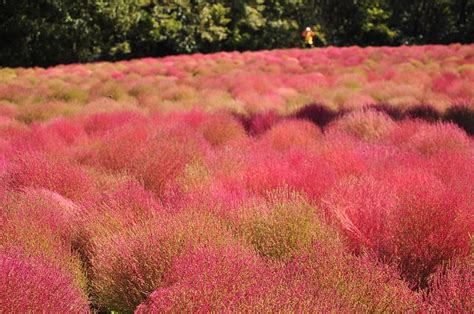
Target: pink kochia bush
x,y
30,284
136,210
296,169
41,223
452,288
409,217
151,154
419,246
229,279
365,125
293,133
220,129
37,170
130,264
328,279
361,207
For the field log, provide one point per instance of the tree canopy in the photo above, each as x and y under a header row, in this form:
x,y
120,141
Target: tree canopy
x,y
48,32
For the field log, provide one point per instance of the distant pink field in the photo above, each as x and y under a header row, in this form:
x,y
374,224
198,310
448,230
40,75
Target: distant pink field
x,y
337,179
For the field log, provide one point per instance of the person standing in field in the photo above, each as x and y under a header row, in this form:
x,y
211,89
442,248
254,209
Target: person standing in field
x,y
308,36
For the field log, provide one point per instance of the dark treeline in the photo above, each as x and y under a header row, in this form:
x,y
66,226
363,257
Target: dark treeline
x,y
47,32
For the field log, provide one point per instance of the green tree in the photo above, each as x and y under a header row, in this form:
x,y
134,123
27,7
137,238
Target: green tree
x,y
423,21
190,25
463,21
375,28
45,32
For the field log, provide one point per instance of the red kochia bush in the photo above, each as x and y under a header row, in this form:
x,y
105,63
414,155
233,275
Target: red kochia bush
x,y
67,131
361,207
202,280
220,129
41,223
430,225
296,169
340,152
292,133
30,285
442,83
430,139
409,217
330,280
456,171
10,128
369,126
154,157
40,138
129,264
164,157
127,205
323,280
36,170
119,148
40,209
309,173
452,288
104,122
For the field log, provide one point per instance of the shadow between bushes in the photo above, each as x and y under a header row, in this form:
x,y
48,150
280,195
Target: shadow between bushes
x,y
459,114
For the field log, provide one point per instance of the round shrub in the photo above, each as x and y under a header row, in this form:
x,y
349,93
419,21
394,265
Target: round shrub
x,y
409,218
430,225
292,133
361,207
296,169
101,123
30,284
209,279
392,111
369,126
452,288
437,138
278,228
42,223
129,265
328,279
219,129
37,170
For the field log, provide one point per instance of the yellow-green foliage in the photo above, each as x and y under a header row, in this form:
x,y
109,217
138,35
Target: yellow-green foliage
x,y
130,264
279,228
367,126
39,223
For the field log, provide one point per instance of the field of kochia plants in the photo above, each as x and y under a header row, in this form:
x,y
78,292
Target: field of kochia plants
x,y
336,179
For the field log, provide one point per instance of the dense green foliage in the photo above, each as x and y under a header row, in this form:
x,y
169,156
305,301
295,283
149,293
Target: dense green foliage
x,y
46,32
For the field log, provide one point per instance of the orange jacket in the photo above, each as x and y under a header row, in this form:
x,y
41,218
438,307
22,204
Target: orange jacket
x,y
308,37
